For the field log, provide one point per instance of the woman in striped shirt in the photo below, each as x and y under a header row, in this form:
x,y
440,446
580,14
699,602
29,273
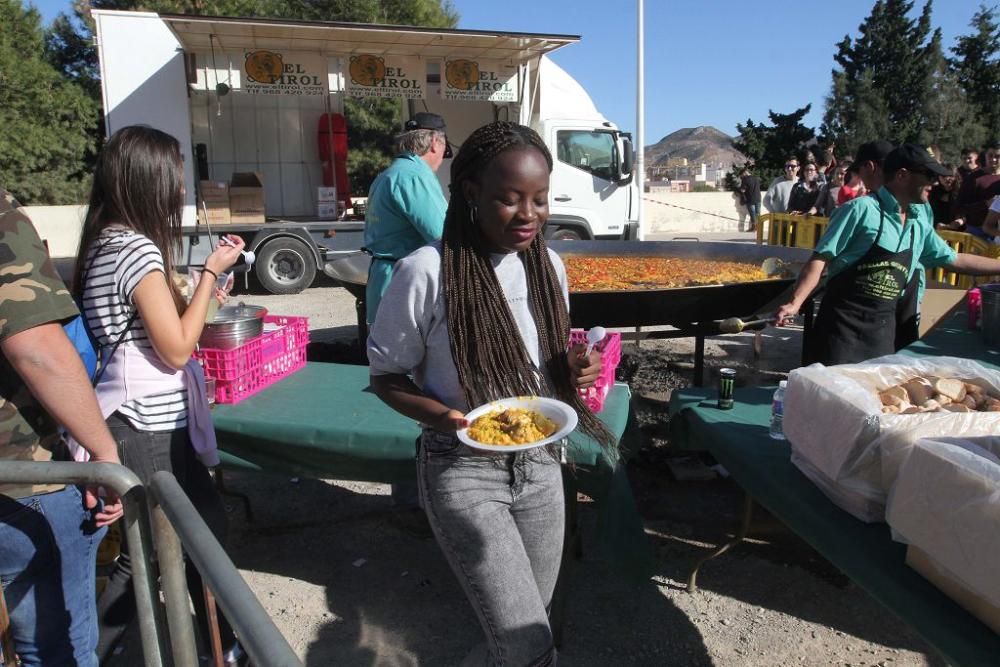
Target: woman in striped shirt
x,y
137,314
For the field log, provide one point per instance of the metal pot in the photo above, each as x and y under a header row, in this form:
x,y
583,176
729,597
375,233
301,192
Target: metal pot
x,y
233,326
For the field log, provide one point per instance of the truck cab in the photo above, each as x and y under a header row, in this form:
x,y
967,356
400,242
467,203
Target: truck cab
x,y
592,194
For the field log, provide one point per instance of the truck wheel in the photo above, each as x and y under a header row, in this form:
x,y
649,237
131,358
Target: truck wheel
x,y
566,235
285,266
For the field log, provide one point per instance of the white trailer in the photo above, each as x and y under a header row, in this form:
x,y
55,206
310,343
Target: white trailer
x,y
247,94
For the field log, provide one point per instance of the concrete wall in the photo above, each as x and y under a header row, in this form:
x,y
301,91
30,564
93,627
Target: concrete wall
x,y
674,212
60,226
692,212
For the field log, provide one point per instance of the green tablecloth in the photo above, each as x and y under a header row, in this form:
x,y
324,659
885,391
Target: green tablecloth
x,y
324,421
739,440
953,338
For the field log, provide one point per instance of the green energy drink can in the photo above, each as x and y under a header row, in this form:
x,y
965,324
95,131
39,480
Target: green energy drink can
x,y
727,384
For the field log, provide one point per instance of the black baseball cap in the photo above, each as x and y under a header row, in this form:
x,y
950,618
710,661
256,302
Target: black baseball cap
x,y
425,120
913,158
873,151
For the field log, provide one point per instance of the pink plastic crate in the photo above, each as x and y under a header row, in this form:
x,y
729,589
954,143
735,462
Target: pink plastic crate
x,y
611,353
243,371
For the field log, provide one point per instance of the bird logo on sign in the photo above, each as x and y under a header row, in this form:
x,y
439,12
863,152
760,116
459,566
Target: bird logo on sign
x,y
264,66
367,70
462,74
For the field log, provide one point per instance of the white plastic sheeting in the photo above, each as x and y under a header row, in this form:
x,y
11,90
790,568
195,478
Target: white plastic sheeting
x,y
843,443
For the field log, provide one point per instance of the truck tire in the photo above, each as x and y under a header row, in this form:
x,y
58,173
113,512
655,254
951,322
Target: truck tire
x,y
285,266
566,234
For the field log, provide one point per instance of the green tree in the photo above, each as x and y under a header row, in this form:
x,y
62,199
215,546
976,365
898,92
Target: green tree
x,y
44,119
977,67
371,124
885,78
952,121
768,146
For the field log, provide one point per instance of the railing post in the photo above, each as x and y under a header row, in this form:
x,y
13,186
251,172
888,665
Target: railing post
x,y
174,585
257,632
124,482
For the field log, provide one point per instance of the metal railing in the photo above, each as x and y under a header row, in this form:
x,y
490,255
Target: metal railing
x,y
805,231
176,528
124,482
177,524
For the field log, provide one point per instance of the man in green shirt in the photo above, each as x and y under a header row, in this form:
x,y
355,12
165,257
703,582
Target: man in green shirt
x,y
406,207
48,533
870,250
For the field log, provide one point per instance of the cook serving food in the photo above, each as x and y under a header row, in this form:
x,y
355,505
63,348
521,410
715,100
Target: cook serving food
x,y
870,250
480,316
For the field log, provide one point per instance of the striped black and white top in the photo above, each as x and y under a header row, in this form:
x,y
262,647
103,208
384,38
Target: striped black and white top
x,y
116,262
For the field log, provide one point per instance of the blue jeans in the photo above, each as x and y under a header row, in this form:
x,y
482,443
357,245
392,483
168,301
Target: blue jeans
x,y
753,210
499,519
48,555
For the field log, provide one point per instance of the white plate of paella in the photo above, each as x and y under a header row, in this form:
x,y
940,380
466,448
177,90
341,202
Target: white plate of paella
x,y
518,423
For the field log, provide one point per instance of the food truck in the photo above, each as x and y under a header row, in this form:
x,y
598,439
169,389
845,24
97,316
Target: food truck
x,y
258,106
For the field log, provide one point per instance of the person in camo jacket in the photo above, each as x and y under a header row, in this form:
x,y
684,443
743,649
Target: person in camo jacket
x,y
49,533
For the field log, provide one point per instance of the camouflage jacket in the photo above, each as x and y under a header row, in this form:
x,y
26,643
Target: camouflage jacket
x,y
31,294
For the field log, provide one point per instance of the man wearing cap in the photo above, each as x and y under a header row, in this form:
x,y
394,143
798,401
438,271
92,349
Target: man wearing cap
x,y
869,166
406,206
406,210
870,250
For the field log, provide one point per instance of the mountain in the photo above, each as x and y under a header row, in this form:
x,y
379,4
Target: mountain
x,y
697,144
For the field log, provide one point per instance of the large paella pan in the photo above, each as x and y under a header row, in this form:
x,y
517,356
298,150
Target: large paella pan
x,y
646,305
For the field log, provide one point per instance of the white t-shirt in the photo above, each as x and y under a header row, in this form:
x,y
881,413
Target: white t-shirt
x,y
116,262
410,333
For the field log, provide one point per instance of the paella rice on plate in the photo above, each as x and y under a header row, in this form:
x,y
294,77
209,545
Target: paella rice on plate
x,y
511,426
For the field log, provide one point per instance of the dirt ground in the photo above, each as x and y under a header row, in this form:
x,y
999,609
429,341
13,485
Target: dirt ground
x,y
348,586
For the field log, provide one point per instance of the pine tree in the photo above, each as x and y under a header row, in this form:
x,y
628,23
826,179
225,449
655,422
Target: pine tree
x,y
43,117
977,67
768,146
885,77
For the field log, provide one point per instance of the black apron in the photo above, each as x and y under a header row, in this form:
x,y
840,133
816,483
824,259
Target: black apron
x,y
857,316
908,314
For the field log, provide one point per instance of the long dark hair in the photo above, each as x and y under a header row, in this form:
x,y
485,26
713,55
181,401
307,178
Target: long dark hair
x,y
138,183
492,363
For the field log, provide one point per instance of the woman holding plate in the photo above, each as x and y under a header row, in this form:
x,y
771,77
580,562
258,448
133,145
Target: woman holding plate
x,y
480,316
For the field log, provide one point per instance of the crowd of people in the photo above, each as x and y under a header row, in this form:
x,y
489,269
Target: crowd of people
x,y
959,200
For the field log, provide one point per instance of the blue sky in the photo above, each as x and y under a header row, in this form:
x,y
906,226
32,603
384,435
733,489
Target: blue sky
x,y
707,63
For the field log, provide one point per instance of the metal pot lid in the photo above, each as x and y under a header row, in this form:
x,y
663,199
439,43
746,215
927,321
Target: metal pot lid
x,y
239,313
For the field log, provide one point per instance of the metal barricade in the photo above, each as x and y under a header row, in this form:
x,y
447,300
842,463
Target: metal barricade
x,y
124,482
803,231
177,525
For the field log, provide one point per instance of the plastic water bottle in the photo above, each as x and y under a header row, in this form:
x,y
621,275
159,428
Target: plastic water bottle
x,y
777,430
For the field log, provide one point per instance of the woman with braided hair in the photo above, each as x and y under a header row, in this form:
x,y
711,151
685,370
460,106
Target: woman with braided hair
x,y
479,316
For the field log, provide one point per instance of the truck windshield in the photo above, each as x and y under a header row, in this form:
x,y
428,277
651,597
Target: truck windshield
x,y
593,152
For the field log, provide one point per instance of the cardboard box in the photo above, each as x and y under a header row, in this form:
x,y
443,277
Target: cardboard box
x,y
326,194
328,210
246,198
213,200
214,191
969,600
217,215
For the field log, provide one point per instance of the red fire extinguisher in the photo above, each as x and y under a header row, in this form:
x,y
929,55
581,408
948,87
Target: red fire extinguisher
x,y
333,154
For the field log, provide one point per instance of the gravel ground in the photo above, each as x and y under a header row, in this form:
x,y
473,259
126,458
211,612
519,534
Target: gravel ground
x,y
347,586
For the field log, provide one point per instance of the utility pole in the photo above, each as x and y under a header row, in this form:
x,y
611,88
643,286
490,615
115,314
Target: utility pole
x,y
640,129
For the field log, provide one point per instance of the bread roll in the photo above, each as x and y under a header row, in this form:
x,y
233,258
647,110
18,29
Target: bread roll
x,y
953,389
912,410
970,402
891,409
919,390
942,399
894,396
957,407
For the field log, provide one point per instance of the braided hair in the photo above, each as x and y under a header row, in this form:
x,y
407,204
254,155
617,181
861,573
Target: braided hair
x,y
491,363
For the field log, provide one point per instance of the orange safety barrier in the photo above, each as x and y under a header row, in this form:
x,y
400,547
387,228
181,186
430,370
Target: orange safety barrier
x,y
805,231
